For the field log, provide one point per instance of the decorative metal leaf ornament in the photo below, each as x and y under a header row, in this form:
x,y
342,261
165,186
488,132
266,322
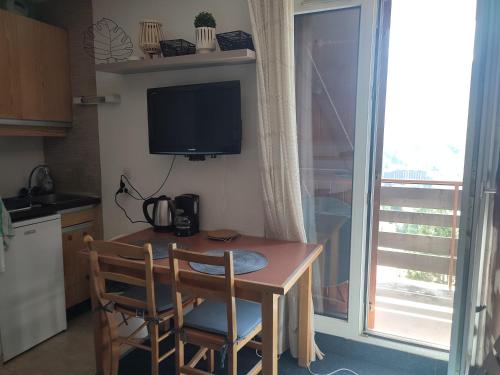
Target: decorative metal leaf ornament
x,y
106,41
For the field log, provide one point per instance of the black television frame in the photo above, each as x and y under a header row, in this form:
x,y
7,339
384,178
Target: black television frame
x,y
192,154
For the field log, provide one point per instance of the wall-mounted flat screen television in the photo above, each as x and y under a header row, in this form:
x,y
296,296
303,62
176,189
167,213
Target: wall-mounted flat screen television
x,y
195,120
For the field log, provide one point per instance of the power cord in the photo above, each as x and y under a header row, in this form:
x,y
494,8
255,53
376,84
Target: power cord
x,y
314,373
141,197
125,211
333,372
124,190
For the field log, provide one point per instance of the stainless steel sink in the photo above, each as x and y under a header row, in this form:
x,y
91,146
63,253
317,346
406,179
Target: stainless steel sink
x,y
57,198
21,208
16,204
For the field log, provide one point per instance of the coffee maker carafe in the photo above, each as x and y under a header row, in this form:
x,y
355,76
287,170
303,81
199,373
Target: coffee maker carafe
x,y
187,214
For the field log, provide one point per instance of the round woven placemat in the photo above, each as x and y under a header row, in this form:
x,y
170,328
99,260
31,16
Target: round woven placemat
x,y
245,261
160,248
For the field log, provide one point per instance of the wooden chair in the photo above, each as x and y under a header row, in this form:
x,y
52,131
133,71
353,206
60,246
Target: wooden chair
x,y
141,298
206,326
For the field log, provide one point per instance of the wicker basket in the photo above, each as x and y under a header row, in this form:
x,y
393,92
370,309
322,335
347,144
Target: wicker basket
x,y
177,47
235,40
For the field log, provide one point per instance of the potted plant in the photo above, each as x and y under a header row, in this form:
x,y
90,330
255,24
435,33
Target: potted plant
x,y
205,32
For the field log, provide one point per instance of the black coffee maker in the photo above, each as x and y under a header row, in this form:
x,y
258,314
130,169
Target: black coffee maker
x,y
187,215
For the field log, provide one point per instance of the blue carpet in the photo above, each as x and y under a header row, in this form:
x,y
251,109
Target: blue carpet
x,y
332,362
404,363
340,353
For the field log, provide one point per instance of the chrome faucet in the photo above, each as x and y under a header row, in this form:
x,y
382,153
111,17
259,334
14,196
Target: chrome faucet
x,y
30,188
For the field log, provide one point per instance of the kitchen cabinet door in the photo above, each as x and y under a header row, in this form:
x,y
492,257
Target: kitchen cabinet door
x,y
10,89
76,265
34,70
70,265
54,68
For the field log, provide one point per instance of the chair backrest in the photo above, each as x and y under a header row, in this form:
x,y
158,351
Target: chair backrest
x,y
136,260
200,285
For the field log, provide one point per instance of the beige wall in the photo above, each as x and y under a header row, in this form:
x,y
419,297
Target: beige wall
x,y
18,155
229,186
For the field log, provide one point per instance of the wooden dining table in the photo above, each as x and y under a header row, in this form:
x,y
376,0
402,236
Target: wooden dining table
x,y
289,264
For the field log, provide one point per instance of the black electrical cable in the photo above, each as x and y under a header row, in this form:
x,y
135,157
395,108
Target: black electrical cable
x,y
157,190
123,177
166,177
133,196
125,211
123,189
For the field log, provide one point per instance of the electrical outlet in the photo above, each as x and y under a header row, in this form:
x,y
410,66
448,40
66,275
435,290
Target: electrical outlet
x,y
121,188
126,172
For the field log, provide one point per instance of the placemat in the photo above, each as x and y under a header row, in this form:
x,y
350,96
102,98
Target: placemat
x,y
245,261
160,247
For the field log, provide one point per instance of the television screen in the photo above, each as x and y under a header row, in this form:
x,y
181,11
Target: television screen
x,y
202,119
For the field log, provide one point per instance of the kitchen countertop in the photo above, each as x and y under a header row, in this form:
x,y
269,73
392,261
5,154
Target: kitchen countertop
x,y
43,207
80,201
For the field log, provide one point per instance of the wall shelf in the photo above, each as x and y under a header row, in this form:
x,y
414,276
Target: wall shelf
x,y
240,56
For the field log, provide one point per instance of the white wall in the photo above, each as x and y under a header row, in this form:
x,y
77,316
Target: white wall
x,y
229,186
18,155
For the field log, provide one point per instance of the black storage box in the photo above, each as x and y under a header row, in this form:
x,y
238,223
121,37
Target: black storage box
x,y
235,40
176,47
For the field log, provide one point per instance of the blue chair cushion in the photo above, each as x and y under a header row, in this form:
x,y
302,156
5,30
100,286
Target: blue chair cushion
x,y
211,317
163,296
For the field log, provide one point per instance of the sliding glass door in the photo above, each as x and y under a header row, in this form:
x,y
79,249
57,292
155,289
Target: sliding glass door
x,y
424,75
327,50
382,133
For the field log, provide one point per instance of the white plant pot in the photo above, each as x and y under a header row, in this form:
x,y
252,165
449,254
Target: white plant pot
x,y
205,39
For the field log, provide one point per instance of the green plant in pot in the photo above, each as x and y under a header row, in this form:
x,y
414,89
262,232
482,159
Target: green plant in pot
x,y
205,24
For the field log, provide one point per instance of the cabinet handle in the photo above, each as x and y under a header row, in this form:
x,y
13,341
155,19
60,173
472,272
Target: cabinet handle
x,y
28,232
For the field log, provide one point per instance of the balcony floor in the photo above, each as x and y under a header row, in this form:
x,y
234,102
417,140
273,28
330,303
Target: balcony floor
x,y
415,310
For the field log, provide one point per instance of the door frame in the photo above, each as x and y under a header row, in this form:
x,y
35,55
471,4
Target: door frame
x,y
352,328
380,90
480,152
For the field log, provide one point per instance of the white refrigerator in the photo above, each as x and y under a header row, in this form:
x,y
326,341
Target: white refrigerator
x,y
32,302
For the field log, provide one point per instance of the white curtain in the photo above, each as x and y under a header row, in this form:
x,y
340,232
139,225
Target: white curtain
x,y
488,96
272,29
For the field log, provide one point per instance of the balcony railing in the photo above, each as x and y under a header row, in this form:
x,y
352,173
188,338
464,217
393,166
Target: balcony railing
x,y
424,203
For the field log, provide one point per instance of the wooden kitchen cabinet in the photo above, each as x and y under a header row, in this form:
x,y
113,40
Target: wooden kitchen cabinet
x,y
76,265
34,70
10,89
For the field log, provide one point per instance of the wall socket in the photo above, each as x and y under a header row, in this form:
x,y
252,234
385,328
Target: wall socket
x,y
126,172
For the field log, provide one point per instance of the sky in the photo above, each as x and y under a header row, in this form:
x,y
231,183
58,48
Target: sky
x,y
430,58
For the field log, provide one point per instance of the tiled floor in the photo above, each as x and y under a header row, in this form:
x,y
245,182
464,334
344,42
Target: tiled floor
x,y
71,353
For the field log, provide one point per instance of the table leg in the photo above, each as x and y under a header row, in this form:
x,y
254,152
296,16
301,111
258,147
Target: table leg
x,y
270,334
305,313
